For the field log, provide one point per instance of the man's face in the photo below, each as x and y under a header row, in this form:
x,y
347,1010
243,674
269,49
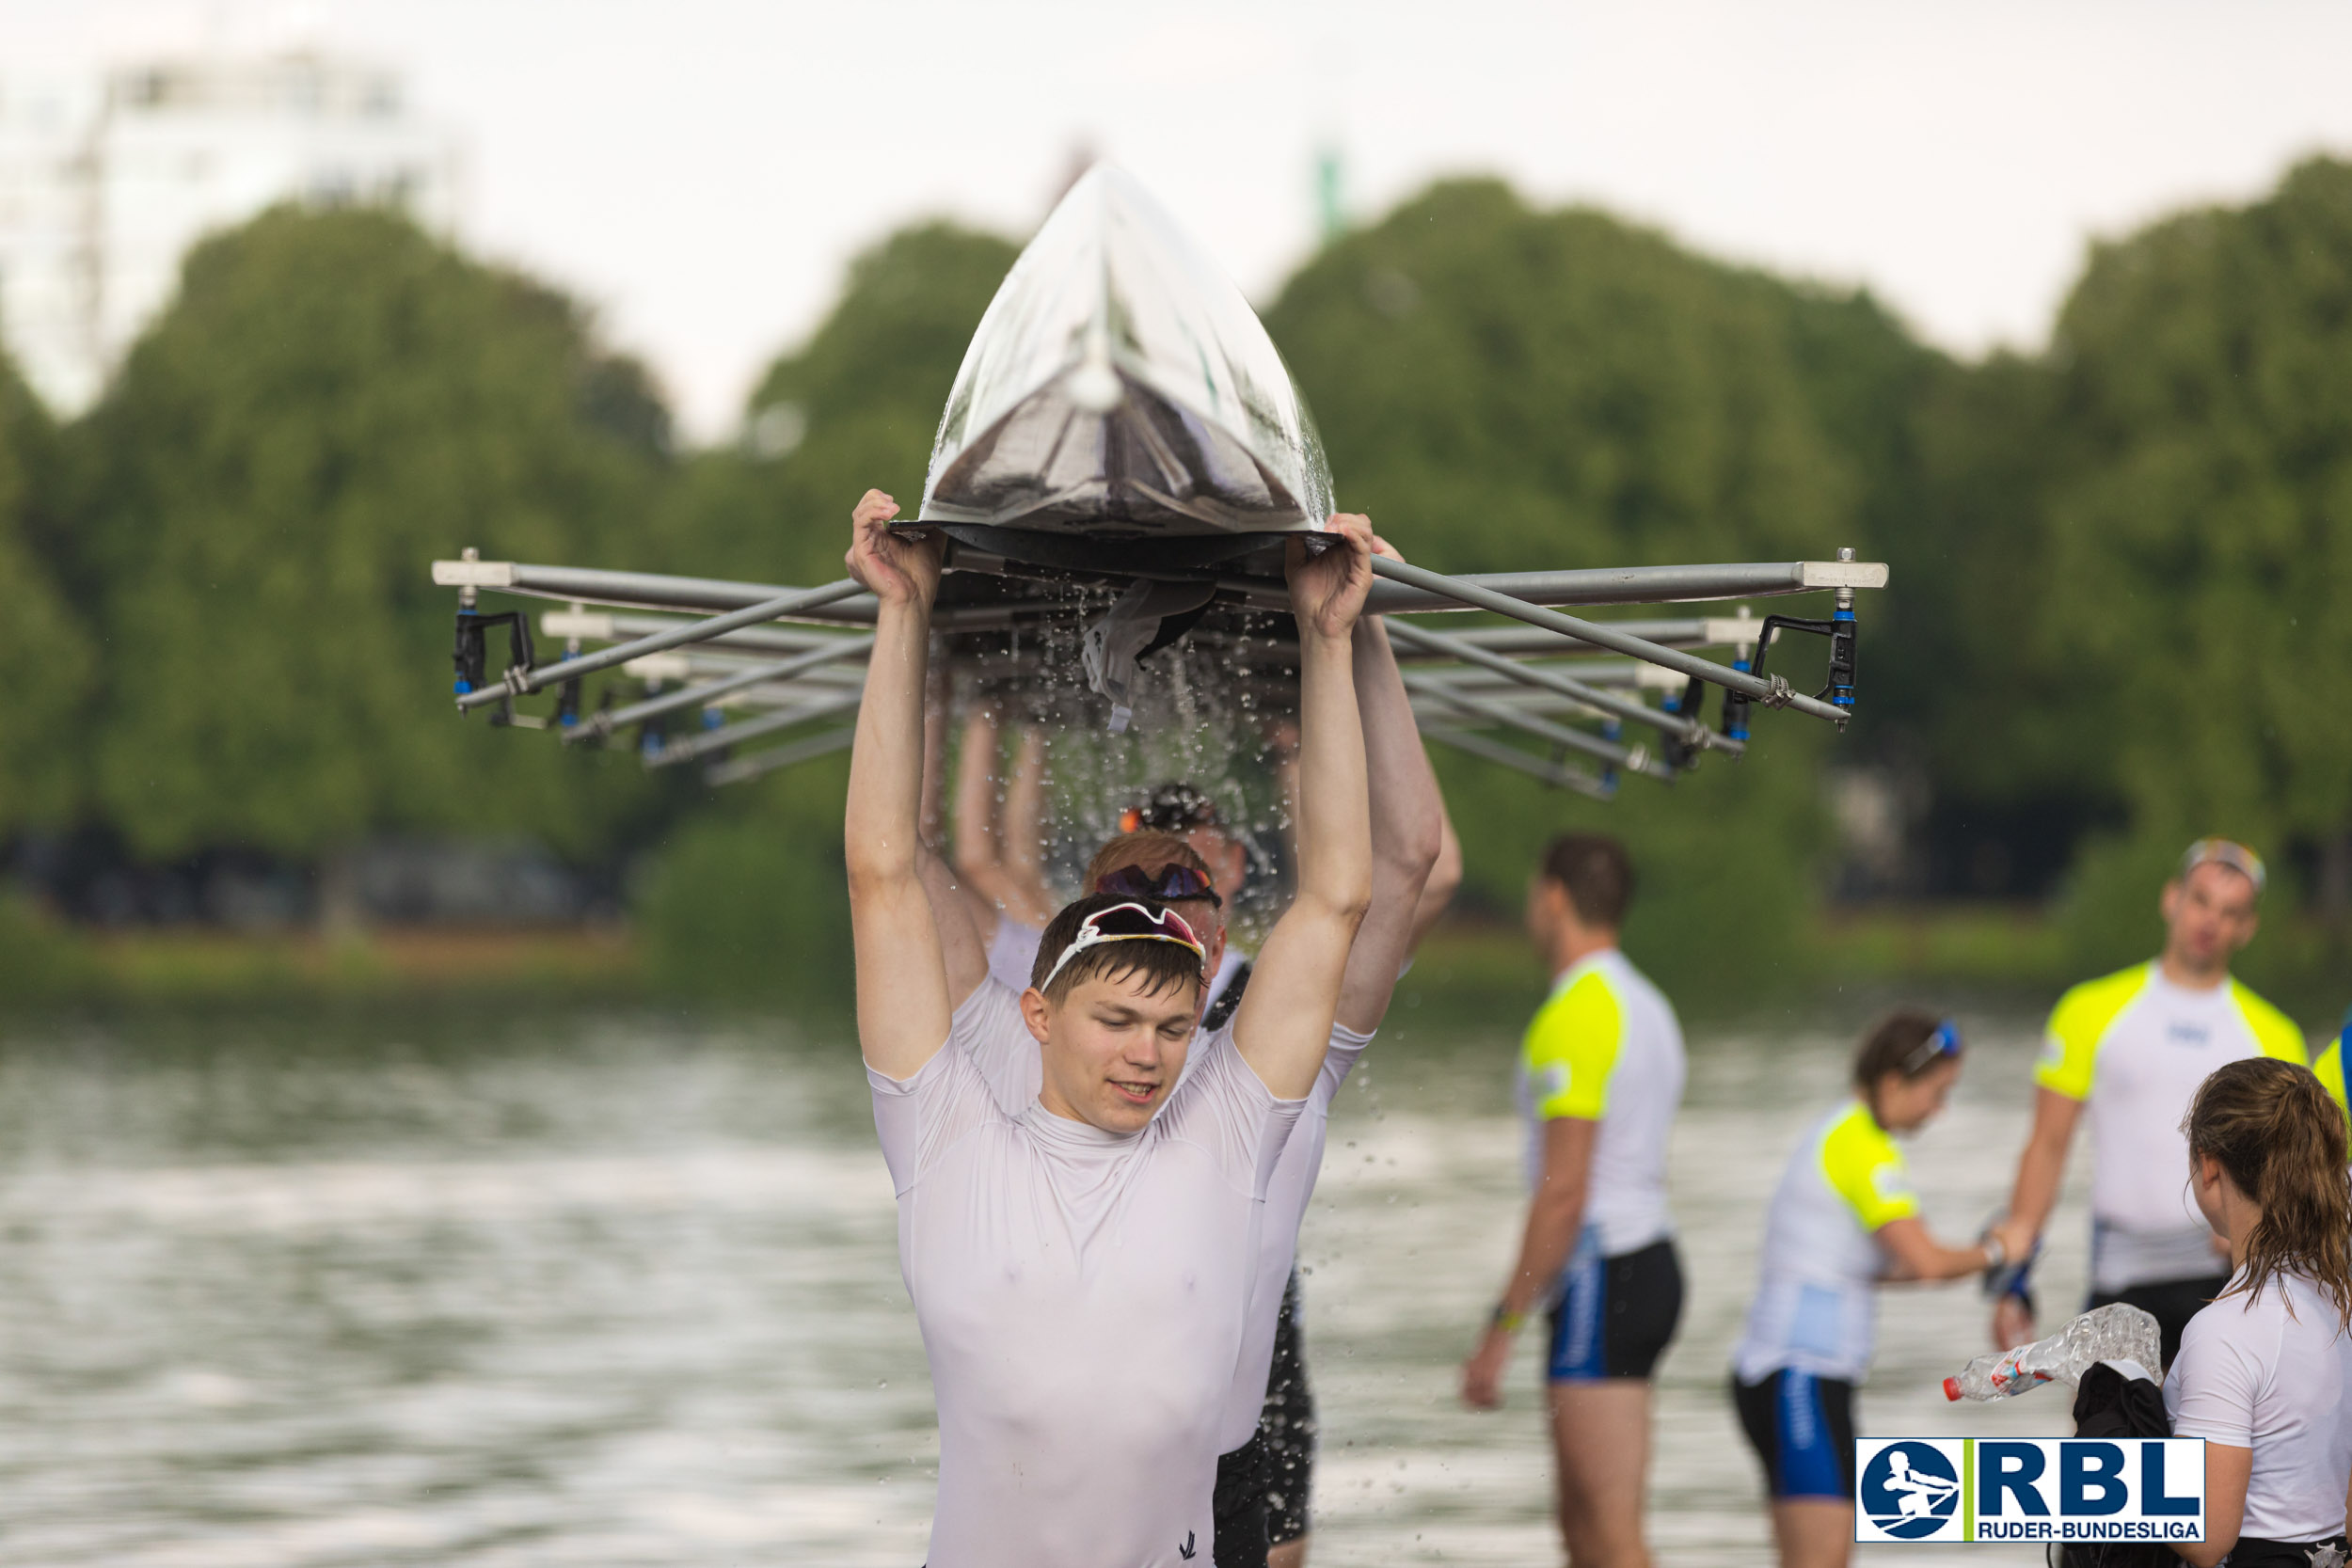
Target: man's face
x,y
1228,862
2208,915
1112,1049
1547,906
1906,1104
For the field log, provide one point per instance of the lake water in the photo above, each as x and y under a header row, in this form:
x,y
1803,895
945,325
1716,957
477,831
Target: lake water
x,y
623,1290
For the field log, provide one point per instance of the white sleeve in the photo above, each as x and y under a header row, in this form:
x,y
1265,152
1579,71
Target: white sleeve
x,y
989,1028
2209,1390
1346,1050
1224,1106
917,1118
1012,953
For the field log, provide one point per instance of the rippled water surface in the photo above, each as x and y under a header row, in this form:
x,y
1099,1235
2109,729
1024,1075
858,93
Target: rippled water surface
x,y
624,1290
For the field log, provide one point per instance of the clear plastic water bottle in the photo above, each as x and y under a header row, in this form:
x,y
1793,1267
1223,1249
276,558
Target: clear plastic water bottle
x,y
2116,1332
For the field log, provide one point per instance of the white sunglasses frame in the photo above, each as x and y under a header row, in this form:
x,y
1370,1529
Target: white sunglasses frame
x,y
1089,935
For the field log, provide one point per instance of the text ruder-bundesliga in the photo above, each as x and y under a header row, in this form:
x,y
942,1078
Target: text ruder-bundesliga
x,y
2008,1489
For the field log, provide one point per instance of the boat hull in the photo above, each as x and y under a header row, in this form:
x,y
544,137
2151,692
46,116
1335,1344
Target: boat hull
x,y
1119,390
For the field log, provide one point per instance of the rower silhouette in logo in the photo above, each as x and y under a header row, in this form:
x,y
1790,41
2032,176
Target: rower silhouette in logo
x,y
1909,1490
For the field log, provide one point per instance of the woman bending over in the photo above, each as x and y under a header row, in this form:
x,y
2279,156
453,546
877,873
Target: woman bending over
x,y
1843,1221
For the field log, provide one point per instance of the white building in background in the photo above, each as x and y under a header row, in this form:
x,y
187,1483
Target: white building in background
x,y
104,186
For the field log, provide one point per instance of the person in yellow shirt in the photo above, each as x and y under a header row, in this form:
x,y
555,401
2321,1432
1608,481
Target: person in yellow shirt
x,y
1600,1076
1843,1221
2130,1050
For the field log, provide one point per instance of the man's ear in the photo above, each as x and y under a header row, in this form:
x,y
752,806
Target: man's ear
x,y
1561,910
1037,1013
2168,901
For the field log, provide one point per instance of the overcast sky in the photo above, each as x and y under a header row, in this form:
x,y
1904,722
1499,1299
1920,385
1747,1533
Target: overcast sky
x,y
700,169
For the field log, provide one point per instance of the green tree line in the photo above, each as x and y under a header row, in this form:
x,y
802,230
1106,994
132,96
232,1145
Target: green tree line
x,y
2108,628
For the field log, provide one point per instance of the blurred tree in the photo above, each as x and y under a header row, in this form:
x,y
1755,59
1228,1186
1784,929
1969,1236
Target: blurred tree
x,y
2200,526
857,405
43,724
1500,387
333,400
1505,388
750,900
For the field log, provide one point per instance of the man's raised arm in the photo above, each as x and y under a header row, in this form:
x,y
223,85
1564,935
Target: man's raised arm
x,y
954,905
903,1005
1000,849
1285,1024
1408,828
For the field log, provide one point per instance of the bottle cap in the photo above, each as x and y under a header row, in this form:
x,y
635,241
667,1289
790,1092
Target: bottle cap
x,y
1952,1389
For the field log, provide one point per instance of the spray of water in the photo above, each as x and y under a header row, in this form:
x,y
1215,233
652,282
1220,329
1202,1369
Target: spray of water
x,y
1215,711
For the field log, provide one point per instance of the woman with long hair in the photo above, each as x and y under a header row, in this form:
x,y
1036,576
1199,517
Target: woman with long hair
x,y
1842,1221
2264,1374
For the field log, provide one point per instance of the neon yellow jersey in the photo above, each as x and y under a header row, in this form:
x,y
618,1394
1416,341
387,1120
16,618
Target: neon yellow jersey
x,y
1861,1164
2086,1018
1815,1300
1606,1047
2133,1047
1571,1046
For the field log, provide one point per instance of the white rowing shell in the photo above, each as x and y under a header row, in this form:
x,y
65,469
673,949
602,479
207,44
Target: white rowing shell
x,y
1120,387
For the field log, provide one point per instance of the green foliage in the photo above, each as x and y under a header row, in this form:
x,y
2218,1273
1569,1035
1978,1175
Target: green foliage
x,y
1718,912
1505,390
1501,388
855,406
39,961
750,902
2200,522
43,724
1991,704
334,400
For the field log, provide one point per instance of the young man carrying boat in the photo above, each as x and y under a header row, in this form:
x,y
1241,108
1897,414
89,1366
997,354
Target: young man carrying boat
x,y
1082,1379
1265,1466
1000,854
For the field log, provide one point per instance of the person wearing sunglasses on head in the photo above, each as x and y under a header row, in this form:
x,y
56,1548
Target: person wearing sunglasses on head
x,y
1174,848
1842,1222
2127,1052
1000,859
1082,1271
1000,855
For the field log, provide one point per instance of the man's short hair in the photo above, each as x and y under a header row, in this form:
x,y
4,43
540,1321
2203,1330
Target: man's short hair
x,y
1596,873
1149,847
1162,965
1152,849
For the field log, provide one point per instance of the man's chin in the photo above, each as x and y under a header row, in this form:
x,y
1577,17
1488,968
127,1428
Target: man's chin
x,y
1123,1112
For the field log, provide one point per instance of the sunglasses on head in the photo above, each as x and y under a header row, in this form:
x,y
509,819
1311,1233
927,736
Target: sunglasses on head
x,y
1944,1042
1126,923
1169,883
